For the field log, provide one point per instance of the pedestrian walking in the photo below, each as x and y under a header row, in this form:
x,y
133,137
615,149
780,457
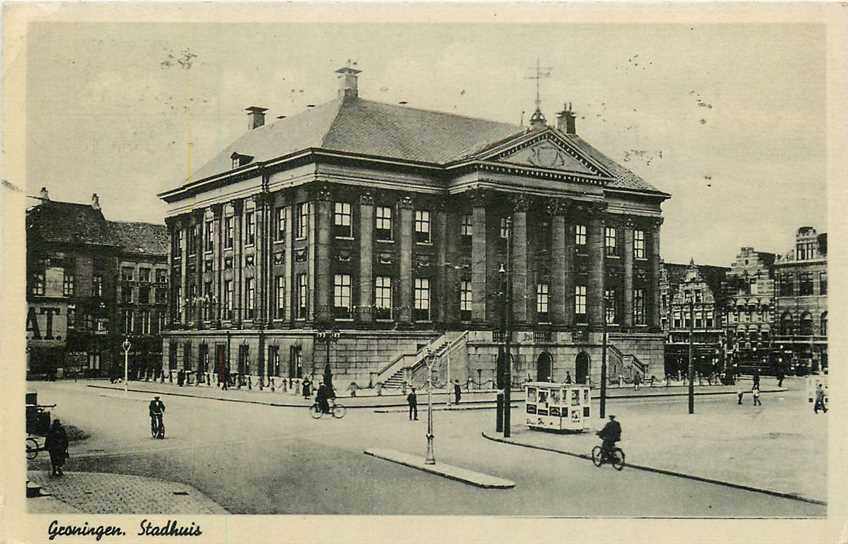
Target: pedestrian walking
x,y
567,377
779,377
820,400
412,400
637,381
57,445
457,392
740,392
756,378
307,390
755,391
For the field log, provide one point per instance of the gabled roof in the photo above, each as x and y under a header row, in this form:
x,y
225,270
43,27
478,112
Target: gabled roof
x,y
363,127
713,276
141,238
68,223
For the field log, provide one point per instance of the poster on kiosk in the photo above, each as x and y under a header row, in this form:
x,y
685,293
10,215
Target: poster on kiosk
x,y
556,406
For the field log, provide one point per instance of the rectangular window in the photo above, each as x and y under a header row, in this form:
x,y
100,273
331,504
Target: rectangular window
x,y
144,295
822,283
207,300
38,283
610,241
144,275
280,234
580,237
302,296
505,227
145,322
342,220
68,285
383,222
126,294
210,235
178,303
542,300
465,300
787,285
97,285
708,319
127,273
128,321
580,303
610,306
341,296
250,290
639,244
422,227
422,299
638,306
162,321
72,317
228,299
279,297
250,228
383,297
228,232
302,219
181,241
466,228
187,356
805,283
161,276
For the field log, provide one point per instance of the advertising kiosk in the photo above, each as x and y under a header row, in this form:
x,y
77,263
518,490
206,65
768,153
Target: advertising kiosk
x,y
558,406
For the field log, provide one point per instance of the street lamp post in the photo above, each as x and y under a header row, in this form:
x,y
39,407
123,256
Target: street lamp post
x,y
126,345
430,458
328,336
691,359
603,410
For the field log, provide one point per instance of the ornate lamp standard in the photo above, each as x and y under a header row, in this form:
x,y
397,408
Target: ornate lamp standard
x,y
126,345
328,336
430,458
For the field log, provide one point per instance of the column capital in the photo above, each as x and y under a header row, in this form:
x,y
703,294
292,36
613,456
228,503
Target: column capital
x,y
520,202
217,209
262,198
366,199
321,193
656,222
479,197
406,203
558,206
237,205
629,224
596,208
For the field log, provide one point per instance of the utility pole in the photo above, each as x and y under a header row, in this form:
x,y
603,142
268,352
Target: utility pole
x,y
603,411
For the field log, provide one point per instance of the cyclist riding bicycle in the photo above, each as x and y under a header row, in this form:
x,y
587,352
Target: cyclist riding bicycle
x,y
157,413
610,434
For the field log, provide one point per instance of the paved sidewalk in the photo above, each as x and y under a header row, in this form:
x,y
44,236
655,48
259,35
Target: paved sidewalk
x,y
367,399
102,493
779,448
451,472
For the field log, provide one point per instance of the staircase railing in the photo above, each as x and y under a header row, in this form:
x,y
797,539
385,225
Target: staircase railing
x,y
453,352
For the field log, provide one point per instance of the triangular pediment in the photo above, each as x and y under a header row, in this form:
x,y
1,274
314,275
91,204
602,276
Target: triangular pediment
x,y
546,150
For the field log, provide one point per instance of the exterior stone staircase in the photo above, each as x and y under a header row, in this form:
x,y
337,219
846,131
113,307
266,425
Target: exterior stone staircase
x,y
626,365
403,369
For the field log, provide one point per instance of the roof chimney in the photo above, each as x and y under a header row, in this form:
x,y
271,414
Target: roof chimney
x,y
43,194
348,76
566,120
256,116
95,201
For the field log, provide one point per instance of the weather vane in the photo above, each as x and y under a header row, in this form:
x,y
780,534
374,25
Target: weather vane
x,y
541,72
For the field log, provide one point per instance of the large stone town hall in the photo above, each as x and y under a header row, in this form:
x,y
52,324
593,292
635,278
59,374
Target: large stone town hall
x,y
387,226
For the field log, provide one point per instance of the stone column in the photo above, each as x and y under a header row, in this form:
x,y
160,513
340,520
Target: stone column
x,y
407,242
556,208
653,295
450,246
260,255
323,286
200,265
288,258
627,308
238,261
568,266
595,288
184,226
442,300
366,258
217,261
479,263
522,293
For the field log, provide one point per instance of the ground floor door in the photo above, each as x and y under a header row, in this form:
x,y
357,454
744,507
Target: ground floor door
x,y
295,362
221,359
544,368
581,370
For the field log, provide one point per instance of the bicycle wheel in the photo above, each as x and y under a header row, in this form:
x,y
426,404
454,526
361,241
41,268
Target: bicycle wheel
x,y
597,456
31,448
339,411
617,459
154,431
315,411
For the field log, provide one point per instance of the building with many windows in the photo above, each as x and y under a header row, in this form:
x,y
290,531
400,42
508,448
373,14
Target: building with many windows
x,y
800,302
79,308
401,229
692,301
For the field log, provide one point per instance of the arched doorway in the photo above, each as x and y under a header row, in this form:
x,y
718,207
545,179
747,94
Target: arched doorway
x,y
544,367
581,367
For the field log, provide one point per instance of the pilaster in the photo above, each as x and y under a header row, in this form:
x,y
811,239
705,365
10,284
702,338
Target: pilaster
x,y
366,258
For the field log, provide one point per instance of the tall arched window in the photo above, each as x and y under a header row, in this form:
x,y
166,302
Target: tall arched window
x,y
823,328
806,328
786,324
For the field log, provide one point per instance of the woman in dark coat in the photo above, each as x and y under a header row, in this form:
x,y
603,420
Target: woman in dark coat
x,y
57,445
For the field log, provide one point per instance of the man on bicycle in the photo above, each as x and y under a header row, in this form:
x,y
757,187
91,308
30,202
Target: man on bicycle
x,y
157,413
610,434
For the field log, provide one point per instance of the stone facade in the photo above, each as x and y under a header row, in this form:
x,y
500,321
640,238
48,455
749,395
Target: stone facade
x,y
391,239
750,305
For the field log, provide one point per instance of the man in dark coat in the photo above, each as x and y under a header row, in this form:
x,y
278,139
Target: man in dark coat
x,y
610,434
57,445
756,378
322,398
307,390
412,400
779,376
457,391
157,417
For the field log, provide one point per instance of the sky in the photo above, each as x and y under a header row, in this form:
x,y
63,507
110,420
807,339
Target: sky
x,y
728,118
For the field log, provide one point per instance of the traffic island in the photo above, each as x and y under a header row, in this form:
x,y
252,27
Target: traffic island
x,y
447,471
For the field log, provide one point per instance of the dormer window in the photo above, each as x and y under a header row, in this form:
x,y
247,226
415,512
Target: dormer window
x,y
240,160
